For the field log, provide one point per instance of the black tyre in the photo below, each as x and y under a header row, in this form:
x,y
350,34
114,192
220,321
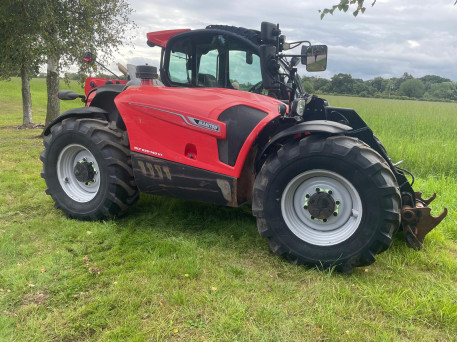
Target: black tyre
x,y
381,145
87,169
327,202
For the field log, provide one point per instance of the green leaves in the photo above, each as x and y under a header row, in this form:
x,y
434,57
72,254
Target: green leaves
x,y
344,6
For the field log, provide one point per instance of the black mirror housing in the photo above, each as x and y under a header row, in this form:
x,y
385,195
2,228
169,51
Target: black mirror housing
x,y
249,58
269,67
88,57
269,33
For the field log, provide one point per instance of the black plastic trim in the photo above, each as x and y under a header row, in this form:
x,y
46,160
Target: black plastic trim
x,y
240,121
86,112
316,126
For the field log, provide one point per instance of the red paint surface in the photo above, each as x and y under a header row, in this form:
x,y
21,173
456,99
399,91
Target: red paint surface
x,y
99,82
161,38
157,120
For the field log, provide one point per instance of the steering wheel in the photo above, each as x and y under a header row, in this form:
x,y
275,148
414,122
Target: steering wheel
x,y
256,88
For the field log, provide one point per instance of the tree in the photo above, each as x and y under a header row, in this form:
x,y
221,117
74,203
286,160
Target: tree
x,y
362,88
429,80
344,6
412,88
379,84
317,82
342,84
20,51
71,27
308,86
444,91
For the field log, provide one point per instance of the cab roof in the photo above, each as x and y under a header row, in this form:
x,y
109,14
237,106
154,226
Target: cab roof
x,y
160,38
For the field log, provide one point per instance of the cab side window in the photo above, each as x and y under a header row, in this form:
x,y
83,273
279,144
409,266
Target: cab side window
x,y
244,69
180,65
208,71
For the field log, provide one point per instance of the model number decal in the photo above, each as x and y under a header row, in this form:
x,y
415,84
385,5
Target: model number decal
x,y
204,124
139,149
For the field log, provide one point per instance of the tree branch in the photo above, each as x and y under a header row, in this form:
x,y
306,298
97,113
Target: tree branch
x,y
344,5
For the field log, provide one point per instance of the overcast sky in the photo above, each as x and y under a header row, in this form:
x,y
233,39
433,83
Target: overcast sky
x,y
393,37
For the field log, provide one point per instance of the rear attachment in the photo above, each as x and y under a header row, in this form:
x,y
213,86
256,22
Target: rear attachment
x,y
418,221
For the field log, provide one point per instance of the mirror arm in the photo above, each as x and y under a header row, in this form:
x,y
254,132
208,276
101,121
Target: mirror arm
x,y
301,42
104,67
285,55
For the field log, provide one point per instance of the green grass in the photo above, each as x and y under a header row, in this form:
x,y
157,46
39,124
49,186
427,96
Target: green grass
x,y
173,270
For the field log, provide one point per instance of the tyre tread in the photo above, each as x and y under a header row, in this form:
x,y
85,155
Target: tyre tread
x,y
343,147
112,141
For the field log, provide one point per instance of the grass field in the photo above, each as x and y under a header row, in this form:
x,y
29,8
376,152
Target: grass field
x,y
174,270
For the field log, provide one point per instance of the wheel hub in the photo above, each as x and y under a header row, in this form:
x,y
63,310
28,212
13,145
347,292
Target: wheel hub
x,y
84,171
335,203
321,205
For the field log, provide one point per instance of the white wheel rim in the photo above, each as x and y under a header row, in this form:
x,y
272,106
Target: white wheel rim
x,y
336,229
78,191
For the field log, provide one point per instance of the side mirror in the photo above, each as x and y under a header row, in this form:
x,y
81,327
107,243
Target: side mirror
x,y
269,33
269,67
316,58
249,59
88,57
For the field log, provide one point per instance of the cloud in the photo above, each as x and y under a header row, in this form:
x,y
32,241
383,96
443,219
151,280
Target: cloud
x,y
413,43
393,37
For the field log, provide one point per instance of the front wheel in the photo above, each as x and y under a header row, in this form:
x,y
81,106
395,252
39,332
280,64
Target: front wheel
x,y
327,202
87,169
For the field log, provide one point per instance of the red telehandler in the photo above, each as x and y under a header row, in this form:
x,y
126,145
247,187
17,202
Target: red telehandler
x,y
232,124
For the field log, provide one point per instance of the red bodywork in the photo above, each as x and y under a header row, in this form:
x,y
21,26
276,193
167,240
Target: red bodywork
x,y
94,82
159,122
161,38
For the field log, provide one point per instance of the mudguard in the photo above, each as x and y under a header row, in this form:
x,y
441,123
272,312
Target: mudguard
x,y
315,126
83,112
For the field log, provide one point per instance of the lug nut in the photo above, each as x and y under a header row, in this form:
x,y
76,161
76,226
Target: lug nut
x,y
305,207
330,192
337,202
312,217
318,189
325,220
335,214
307,195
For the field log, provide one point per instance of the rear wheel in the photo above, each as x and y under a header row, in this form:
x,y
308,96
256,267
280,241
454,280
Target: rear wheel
x,y
327,202
87,169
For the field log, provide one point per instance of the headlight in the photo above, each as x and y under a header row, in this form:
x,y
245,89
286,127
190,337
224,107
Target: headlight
x,y
298,107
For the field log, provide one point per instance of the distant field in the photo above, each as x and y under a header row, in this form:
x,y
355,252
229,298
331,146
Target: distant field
x,y
175,270
423,134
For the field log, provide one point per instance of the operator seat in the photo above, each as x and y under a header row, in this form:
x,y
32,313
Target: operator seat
x,y
207,80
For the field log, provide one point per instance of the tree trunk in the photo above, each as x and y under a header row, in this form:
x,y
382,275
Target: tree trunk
x,y
52,84
26,97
